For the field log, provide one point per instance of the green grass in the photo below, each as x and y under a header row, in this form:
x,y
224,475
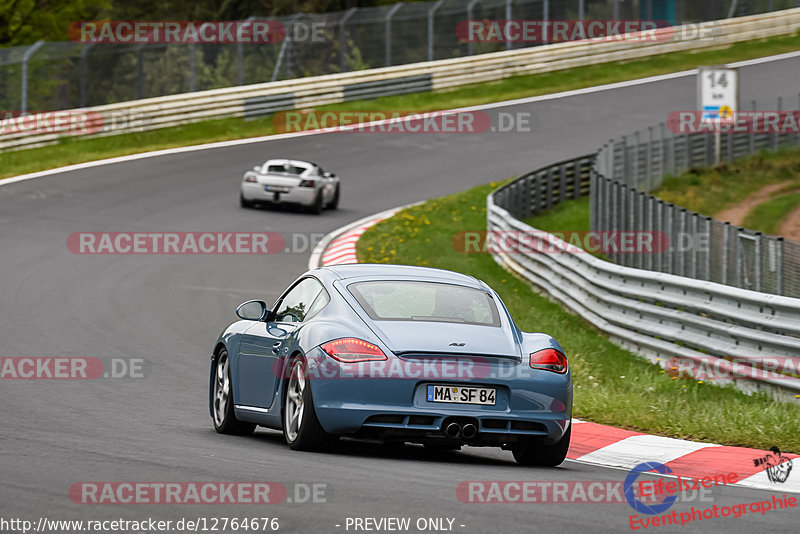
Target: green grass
x,y
77,150
767,216
710,191
612,386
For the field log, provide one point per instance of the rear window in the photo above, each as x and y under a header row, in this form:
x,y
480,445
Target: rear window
x,y
286,169
425,301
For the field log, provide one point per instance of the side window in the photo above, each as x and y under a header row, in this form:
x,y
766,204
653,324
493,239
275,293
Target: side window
x,y
320,302
296,304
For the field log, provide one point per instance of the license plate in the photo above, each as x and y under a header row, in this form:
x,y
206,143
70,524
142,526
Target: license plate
x,y
276,189
462,394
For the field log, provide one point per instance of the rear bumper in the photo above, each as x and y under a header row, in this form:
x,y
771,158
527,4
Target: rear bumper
x,y
295,195
528,402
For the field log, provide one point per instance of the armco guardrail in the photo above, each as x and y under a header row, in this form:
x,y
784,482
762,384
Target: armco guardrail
x,y
706,249
261,99
660,316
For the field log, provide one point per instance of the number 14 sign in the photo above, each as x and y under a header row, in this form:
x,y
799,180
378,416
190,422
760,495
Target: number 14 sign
x,y
718,93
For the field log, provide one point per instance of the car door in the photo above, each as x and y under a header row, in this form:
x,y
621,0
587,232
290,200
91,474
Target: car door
x,y
264,345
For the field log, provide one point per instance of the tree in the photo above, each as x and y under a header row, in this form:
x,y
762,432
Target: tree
x,y
27,21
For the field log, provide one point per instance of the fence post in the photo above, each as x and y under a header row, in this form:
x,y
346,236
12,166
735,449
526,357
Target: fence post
x,y
709,222
431,18
388,23
776,139
726,230
634,180
343,38
84,73
140,72
660,229
470,7
649,156
757,261
650,229
581,9
508,17
25,59
779,266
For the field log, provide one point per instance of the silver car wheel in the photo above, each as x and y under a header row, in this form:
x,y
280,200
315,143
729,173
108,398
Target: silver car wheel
x,y
295,390
222,388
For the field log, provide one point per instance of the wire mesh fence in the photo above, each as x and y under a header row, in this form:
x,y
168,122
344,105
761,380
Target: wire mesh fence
x,y
64,75
695,245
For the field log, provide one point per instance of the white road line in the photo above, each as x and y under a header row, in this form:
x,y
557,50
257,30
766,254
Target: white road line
x,y
280,137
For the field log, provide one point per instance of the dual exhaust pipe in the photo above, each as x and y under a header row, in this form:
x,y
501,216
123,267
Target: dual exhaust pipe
x,y
455,431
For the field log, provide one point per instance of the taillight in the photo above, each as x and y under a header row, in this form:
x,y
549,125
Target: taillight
x,y
350,349
549,360
307,183
250,178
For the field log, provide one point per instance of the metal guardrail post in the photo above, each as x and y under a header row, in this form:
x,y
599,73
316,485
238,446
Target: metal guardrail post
x,y
431,19
581,9
25,59
776,135
508,17
388,23
343,38
616,10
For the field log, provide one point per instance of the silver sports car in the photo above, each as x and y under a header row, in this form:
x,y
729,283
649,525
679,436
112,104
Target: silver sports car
x,y
290,181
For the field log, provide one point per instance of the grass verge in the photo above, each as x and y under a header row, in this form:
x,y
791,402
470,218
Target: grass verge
x,y
70,151
711,190
612,386
767,216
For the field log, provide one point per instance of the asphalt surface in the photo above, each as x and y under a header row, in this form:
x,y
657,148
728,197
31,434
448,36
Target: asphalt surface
x,y
168,310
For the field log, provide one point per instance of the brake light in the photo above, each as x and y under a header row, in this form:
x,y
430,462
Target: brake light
x,y
350,349
549,360
250,178
307,183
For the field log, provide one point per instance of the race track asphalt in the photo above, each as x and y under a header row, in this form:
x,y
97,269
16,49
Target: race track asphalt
x,y
168,310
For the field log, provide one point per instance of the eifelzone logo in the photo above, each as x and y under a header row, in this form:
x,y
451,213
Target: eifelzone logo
x,y
776,465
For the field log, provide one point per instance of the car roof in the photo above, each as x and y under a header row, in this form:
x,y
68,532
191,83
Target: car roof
x,y
406,272
297,162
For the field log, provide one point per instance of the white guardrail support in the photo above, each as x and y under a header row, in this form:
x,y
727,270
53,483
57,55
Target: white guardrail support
x,y
265,98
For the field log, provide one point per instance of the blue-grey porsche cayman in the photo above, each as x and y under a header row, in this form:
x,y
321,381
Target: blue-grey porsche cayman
x,y
392,353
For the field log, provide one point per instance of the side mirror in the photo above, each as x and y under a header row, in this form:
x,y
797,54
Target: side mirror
x,y
257,169
330,174
253,310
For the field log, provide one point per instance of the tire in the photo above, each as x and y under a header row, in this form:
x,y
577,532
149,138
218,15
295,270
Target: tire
x,y
244,203
534,452
316,207
335,200
302,432
225,421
